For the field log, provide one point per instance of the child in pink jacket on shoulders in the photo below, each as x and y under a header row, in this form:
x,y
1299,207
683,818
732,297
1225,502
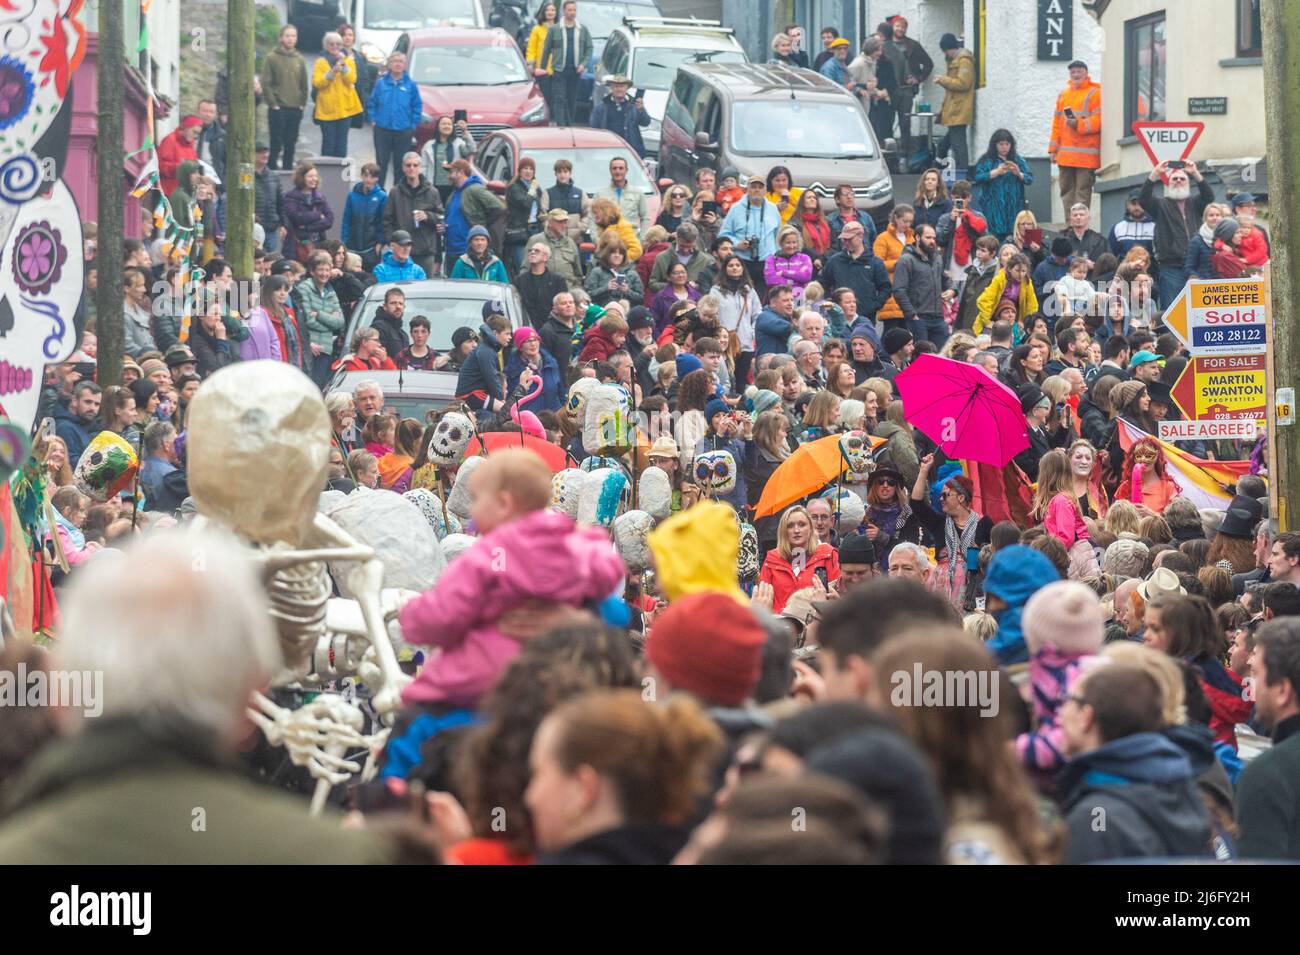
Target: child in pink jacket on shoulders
x,y
527,554
1063,626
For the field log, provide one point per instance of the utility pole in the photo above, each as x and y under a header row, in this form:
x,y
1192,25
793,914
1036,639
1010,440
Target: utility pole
x,y
1280,26
111,191
238,174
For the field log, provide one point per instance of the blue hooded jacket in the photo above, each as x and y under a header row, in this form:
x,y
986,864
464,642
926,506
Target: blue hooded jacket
x,y
395,104
457,235
363,218
1015,574
390,270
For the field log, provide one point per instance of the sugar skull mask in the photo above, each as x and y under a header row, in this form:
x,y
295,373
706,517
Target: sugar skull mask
x,y
715,472
450,438
855,449
107,467
566,489
575,406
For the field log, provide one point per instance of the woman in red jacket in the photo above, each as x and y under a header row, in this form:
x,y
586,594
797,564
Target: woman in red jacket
x,y
367,354
798,556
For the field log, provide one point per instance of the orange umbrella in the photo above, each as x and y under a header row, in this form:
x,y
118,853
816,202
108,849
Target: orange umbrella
x,y
809,469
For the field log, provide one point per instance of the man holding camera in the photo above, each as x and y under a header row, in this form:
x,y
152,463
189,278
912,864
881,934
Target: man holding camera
x,y
752,226
1178,216
1075,146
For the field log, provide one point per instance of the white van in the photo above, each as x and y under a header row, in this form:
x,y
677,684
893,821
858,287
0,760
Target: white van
x,y
380,22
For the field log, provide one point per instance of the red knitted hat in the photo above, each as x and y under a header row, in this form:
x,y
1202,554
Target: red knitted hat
x,y
710,645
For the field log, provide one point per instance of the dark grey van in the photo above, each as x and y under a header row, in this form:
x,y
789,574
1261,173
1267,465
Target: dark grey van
x,y
753,117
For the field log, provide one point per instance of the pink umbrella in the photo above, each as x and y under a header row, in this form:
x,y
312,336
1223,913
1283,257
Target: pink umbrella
x,y
963,409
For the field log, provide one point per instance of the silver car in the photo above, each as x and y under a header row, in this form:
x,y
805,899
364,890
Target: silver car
x,y
449,304
648,51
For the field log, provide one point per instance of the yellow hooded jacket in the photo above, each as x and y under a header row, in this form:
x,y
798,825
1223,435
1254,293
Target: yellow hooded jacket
x,y
696,552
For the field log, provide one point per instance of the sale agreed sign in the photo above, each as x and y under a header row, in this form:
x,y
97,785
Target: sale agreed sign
x,y
1220,317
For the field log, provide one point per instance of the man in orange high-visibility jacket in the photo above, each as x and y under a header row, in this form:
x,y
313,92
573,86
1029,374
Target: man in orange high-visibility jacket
x,y
1076,136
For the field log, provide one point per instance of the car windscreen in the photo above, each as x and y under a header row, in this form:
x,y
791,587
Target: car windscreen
x,y
590,168
600,19
468,65
445,314
414,14
797,128
655,67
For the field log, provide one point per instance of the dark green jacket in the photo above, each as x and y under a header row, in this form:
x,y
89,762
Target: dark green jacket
x,y
284,79
554,47
124,793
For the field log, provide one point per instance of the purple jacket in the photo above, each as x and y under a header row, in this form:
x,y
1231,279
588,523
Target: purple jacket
x,y
796,271
665,299
308,216
544,556
262,340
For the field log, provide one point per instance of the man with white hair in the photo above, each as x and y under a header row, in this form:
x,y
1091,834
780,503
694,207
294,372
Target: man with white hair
x,y
808,358
1178,216
909,560
823,522
810,327
369,400
172,638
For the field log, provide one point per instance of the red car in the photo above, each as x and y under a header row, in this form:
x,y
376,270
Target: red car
x,y
479,71
590,150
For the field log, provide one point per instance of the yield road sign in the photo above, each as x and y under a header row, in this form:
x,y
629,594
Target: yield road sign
x,y
1168,141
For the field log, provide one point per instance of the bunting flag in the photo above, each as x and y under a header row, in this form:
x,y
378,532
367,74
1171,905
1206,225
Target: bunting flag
x,y
1204,483
148,178
1001,494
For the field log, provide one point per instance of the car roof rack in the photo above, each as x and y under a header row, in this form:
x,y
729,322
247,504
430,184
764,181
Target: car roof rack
x,y
641,23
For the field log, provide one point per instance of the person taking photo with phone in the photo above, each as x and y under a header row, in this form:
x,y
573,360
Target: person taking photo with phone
x,y
1001,176
1075,145
1178,214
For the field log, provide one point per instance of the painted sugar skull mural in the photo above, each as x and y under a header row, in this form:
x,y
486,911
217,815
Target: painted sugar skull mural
x,y
715,472
41,263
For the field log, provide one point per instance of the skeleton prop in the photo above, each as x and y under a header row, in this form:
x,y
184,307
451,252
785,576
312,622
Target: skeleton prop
x,y
258,449
316,736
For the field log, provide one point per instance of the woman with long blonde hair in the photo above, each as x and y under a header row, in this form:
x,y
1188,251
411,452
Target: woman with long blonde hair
x,y
793,564
52,453
1057,507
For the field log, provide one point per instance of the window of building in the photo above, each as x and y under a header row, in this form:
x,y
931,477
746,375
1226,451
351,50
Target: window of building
x,y
1144,67
1249,41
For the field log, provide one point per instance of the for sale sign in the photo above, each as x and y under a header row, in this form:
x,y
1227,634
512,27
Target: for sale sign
x,y
1223,387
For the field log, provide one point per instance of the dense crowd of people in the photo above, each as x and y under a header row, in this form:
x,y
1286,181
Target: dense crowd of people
x,y
925,682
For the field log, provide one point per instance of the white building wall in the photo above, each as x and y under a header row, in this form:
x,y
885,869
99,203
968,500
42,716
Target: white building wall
x,y
165,51
1020,90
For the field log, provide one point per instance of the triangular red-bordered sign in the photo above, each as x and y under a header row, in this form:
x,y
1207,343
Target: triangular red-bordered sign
x,y
1179,150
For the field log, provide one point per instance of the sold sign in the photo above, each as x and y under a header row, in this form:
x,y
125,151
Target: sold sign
x,y
1225,316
